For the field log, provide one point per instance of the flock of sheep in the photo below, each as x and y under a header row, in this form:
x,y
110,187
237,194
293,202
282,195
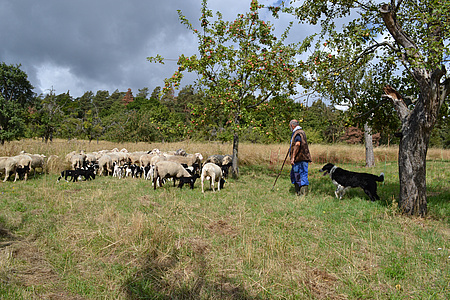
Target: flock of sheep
x,y
152,165
21,164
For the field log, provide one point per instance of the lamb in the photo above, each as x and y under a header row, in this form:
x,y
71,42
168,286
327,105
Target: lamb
x,y
133,170
23,161
214,173
223,161
22,171
170,169
74,174
118,171
68,173
148,173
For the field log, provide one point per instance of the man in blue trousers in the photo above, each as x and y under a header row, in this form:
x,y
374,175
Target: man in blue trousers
x,y
300,157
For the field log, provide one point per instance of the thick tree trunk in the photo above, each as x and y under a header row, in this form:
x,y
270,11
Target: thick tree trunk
x,y
418,120
415,135
370,158
412,168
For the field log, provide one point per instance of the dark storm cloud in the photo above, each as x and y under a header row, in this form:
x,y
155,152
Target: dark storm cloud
x,y
90,45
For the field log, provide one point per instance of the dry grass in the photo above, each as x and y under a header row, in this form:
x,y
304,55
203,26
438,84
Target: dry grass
x,y
119,239
249,154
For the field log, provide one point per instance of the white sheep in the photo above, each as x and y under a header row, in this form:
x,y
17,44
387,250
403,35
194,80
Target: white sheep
x,y
194,160
145,159
223,161
214,173
37,161
9,166
134,157
157,158
105,163
76,160
170,169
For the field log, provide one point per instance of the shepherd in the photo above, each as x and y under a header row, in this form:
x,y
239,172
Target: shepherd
x,y
299,158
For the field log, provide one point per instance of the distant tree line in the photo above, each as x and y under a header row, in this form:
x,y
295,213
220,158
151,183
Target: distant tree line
x,y
166,117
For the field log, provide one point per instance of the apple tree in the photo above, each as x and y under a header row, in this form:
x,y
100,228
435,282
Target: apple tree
x,y
241,65
406,39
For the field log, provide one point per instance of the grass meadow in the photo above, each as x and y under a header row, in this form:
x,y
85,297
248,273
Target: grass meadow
x,y
120,239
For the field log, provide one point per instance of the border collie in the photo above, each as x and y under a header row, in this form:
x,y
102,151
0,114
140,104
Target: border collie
x,y
344,180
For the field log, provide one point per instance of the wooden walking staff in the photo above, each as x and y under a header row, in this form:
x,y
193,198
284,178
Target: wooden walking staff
x,y
280,170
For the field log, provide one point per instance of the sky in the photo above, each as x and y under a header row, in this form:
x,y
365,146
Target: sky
x,y
92,45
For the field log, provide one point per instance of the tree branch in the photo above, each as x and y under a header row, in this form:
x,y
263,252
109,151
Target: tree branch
x,y
263,100
358,116
396,31
397,100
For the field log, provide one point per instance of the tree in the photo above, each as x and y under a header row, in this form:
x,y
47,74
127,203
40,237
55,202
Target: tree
x,y
12,124
14,85
409,38
241,65
128,98
49,115
16,93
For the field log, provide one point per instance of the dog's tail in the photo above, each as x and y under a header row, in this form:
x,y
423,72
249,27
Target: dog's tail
x,y
381,177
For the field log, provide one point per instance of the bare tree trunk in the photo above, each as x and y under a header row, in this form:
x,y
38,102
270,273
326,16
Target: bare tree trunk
x,y
412,168
235,163
370,158
418,120
415,135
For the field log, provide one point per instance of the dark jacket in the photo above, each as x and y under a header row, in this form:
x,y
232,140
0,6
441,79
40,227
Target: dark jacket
x,y
301,152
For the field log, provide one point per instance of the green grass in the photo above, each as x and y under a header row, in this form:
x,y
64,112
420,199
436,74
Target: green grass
x,y
120,239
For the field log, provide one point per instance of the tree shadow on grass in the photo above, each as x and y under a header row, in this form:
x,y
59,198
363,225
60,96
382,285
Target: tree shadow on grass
x,y
162,278
438,195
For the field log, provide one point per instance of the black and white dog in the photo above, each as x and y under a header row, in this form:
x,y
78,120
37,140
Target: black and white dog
x,y
344,180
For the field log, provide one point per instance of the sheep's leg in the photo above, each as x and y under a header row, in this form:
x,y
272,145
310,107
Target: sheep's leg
x,y
6,175
213,179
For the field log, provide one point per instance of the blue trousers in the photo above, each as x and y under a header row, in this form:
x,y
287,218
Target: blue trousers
x,y
299,173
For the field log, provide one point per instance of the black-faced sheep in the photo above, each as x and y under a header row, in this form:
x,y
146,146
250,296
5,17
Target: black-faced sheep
x,y
214,173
